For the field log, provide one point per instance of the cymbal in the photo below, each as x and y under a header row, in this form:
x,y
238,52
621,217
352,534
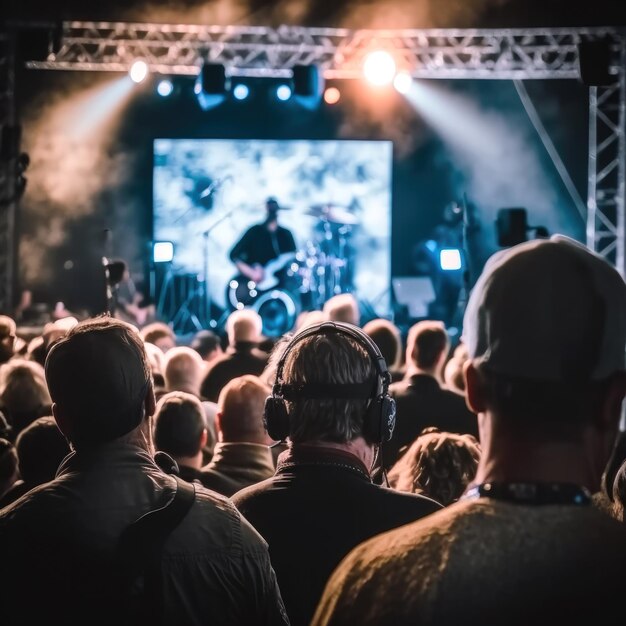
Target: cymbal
x,y
333,213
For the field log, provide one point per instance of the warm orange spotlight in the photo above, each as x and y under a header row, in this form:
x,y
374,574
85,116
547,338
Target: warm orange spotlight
x,y
332,95
379,68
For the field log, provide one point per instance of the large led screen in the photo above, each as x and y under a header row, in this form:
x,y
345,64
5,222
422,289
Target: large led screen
x,y
334,197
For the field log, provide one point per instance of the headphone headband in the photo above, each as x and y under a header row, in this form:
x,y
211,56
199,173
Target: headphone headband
x,y
380,413
337,328
319,391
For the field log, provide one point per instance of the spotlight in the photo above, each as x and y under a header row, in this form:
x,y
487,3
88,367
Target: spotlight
x,y
211,85
379,68
307,81
138,71
165,87
283,92
162,251
308,86
450,259
241,91
332,95
403,82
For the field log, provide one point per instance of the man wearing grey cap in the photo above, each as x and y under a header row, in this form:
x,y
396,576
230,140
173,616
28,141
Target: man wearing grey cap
x,y
113,539
546,330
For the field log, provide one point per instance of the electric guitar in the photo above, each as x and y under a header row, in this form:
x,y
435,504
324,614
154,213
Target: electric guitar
x,y
242,290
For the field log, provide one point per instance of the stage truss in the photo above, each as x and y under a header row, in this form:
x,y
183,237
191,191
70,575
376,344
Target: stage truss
x,y
444,54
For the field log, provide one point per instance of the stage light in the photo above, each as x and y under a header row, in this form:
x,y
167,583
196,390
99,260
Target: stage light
x,y
403,82
163,251
332,95
450,259
165,87
211,85
138,71
283,92
379,68
241,91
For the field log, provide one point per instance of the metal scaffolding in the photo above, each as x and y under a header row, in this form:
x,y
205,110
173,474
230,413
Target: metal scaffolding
x,y
606,223
510,54
262,51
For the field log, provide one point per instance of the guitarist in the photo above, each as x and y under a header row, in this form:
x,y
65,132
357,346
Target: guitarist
x,y
261,244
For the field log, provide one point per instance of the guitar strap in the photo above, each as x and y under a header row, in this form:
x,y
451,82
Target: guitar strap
x,y
275,242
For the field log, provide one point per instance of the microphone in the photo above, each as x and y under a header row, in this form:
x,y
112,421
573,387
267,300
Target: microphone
x,y
216,184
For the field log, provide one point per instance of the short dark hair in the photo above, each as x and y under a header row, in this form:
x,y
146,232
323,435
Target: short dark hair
x,y
40,449
327,358
426,342
205,342
179,422
387,337
99,375
155,331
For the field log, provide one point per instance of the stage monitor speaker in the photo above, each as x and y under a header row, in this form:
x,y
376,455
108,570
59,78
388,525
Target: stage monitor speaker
x,y
594,60
511,227
414,292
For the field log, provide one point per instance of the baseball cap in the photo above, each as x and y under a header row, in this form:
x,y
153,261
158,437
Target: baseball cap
x,y
548,310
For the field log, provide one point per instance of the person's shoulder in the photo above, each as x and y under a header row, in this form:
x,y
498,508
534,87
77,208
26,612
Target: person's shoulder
x,y
398,388
41,501
248,496
214,524
412,536
403,502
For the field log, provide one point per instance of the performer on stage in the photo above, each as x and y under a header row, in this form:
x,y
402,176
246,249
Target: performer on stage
x,y
261,244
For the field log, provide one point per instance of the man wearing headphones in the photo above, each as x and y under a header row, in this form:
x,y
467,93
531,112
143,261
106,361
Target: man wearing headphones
x,y
330,400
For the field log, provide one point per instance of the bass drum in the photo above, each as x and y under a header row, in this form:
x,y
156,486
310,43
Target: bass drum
x,y
278,310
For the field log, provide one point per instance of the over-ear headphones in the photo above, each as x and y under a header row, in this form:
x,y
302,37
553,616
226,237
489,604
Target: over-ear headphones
x,y
380,417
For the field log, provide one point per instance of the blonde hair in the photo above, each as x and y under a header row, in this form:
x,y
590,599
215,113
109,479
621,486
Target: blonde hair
x,y
438,464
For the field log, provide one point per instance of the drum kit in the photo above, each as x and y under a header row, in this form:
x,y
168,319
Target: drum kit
x,y
306,279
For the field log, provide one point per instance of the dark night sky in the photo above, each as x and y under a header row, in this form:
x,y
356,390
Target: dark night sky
x,y
394,13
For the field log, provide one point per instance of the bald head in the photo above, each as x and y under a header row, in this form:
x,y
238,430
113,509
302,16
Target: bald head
x,y
240,411
183,370
244,326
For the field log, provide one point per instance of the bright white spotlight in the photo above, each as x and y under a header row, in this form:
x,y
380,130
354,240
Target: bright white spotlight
x,y
403,82
241,91
162,251
450,259
379,68
138,71
165,87
283,92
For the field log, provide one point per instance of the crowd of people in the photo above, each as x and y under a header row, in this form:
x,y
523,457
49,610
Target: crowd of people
x,y
339,475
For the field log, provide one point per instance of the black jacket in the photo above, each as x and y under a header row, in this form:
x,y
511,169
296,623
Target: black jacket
x,y
319,505
243,359
421,402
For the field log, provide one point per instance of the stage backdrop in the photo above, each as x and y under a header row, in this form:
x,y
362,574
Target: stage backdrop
x,y
220,187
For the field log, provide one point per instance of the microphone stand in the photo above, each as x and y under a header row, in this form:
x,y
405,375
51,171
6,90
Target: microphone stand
x,y
206,296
